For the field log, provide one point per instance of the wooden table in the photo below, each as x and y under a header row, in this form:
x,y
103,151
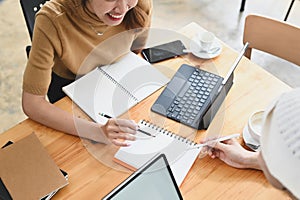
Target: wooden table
x,y
89,178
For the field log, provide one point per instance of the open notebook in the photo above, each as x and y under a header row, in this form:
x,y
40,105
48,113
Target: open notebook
x,y
113,89
180,152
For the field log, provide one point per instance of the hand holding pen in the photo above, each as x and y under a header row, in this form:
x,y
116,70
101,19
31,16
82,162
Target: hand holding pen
x,y
232,153
120,130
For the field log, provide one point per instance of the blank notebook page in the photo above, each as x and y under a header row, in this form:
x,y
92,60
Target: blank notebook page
x,y
179,151
114,89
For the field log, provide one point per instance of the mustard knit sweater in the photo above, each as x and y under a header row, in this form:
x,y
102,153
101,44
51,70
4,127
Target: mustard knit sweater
x,y
65,40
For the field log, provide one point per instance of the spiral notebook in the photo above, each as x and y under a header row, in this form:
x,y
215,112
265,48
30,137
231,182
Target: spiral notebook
x,y
113,89
151,140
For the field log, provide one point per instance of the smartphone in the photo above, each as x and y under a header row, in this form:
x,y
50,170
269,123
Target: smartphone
x,y
164,51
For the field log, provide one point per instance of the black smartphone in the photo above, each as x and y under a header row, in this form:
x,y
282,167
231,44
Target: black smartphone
x,y
164,51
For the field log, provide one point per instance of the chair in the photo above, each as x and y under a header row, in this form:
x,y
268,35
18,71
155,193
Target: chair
x,y
242,8
272,36
30,8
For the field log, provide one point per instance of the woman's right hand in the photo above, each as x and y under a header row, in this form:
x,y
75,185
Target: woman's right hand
x,y
233,154
120,130
115,130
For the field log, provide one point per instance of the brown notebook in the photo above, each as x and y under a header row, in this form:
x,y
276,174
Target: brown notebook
x,y
27,170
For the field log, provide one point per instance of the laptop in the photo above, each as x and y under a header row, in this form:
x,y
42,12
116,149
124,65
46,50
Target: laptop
x,y
154,180
193,96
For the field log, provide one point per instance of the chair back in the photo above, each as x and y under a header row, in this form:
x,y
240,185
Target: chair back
x,y
272,36
30,8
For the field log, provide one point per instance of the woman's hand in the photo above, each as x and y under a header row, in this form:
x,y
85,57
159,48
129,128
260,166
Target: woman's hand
x,y
115,130
119,130
233,154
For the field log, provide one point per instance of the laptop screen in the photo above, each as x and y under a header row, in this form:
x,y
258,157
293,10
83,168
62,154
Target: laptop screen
x,y
154,180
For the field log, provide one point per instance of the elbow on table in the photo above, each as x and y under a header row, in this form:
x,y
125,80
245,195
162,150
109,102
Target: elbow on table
x,y
31,103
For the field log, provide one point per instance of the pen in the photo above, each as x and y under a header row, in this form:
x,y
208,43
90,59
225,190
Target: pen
x,y
105,115
144,132
227,137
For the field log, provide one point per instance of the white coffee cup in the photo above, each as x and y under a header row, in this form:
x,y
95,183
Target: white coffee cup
x,y
255,125
206,40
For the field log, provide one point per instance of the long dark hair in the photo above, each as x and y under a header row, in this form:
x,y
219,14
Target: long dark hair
x,y
137,17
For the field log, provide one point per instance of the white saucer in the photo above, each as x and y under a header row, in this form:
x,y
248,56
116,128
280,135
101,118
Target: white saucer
x,y
249,141
195,48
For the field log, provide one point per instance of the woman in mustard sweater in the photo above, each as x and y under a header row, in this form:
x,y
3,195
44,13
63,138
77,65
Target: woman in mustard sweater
x,y
65,33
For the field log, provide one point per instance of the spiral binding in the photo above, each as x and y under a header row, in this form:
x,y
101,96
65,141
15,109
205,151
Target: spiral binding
x,y
118,84
167,132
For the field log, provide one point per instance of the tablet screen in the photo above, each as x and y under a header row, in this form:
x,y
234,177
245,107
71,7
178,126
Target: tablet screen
x,y
154,180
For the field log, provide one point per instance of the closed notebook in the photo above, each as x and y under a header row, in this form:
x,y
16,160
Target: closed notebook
x,y
27,171
114,89
4,194
180,152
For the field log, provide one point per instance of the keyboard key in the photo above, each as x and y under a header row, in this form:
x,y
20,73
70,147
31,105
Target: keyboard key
x,y
193,96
